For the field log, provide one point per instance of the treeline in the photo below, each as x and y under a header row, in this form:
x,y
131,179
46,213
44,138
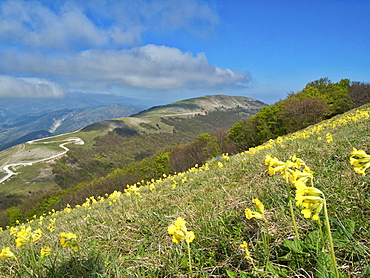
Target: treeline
x,y
319,100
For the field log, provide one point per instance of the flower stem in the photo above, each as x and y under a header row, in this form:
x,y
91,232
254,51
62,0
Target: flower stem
x,y
266,242
330,240
189,259
291,208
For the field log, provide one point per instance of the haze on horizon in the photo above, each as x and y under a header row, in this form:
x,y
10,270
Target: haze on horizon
x,y
164,51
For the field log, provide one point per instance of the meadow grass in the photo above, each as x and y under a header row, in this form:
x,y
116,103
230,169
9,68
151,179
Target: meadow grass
x,y
126,235
32,178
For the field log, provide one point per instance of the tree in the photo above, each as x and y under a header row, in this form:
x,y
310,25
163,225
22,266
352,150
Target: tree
x,y
300,113
359,94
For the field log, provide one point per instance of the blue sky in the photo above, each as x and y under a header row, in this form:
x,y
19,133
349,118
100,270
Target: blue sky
x,y
168,50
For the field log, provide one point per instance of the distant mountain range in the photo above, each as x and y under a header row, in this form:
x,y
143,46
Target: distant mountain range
x,y
23,119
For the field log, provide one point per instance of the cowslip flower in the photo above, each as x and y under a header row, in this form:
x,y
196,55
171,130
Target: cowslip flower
x,y
68,208
6,253
225,156
180,232
302,176
309,198
45,251
360,160
247,254
328,137
133,189
259,214
259,205
115,195
69,240
27,236
286,169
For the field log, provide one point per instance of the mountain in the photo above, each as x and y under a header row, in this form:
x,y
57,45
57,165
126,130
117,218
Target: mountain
x,y
19,117
201,105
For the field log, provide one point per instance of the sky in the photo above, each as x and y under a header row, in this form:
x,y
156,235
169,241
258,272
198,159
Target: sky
x,y
169,50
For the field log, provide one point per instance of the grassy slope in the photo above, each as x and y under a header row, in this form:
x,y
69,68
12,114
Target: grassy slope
x,y
128,238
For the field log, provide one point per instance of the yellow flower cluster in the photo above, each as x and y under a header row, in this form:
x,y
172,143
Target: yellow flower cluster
x,y
286,169
180,232
45,251
360,160
225,156
308,197
24,235
69,240
133,189
259,214
115,195
329,137
6,253
335,122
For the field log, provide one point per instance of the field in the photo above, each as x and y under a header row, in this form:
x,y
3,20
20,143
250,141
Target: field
x,y
126,234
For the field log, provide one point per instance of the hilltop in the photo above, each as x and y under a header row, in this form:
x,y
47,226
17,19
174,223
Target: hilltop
x,y
125,234
34,126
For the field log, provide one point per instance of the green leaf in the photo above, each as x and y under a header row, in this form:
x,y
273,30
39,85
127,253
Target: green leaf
x,y
324,265
230,273
312,240
295,245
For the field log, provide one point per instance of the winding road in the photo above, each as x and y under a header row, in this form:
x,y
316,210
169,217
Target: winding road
x,y
7,168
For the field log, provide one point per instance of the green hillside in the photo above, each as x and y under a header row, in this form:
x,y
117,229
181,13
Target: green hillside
x,y
125,234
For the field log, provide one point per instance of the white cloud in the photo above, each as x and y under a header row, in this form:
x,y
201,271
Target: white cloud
x,y
76,25
28,87
91,45
151,67
35,25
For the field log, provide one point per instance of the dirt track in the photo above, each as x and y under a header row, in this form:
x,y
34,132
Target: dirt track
x,y
7,167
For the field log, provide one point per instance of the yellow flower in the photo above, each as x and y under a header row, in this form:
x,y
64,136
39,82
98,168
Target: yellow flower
x,y
133,189
68,208
329,138
6,253
249,214
259,205
360,160
226,156
309,198
189,237
180,232
27,236
286,169
45,251
115,195
244,246
69,240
